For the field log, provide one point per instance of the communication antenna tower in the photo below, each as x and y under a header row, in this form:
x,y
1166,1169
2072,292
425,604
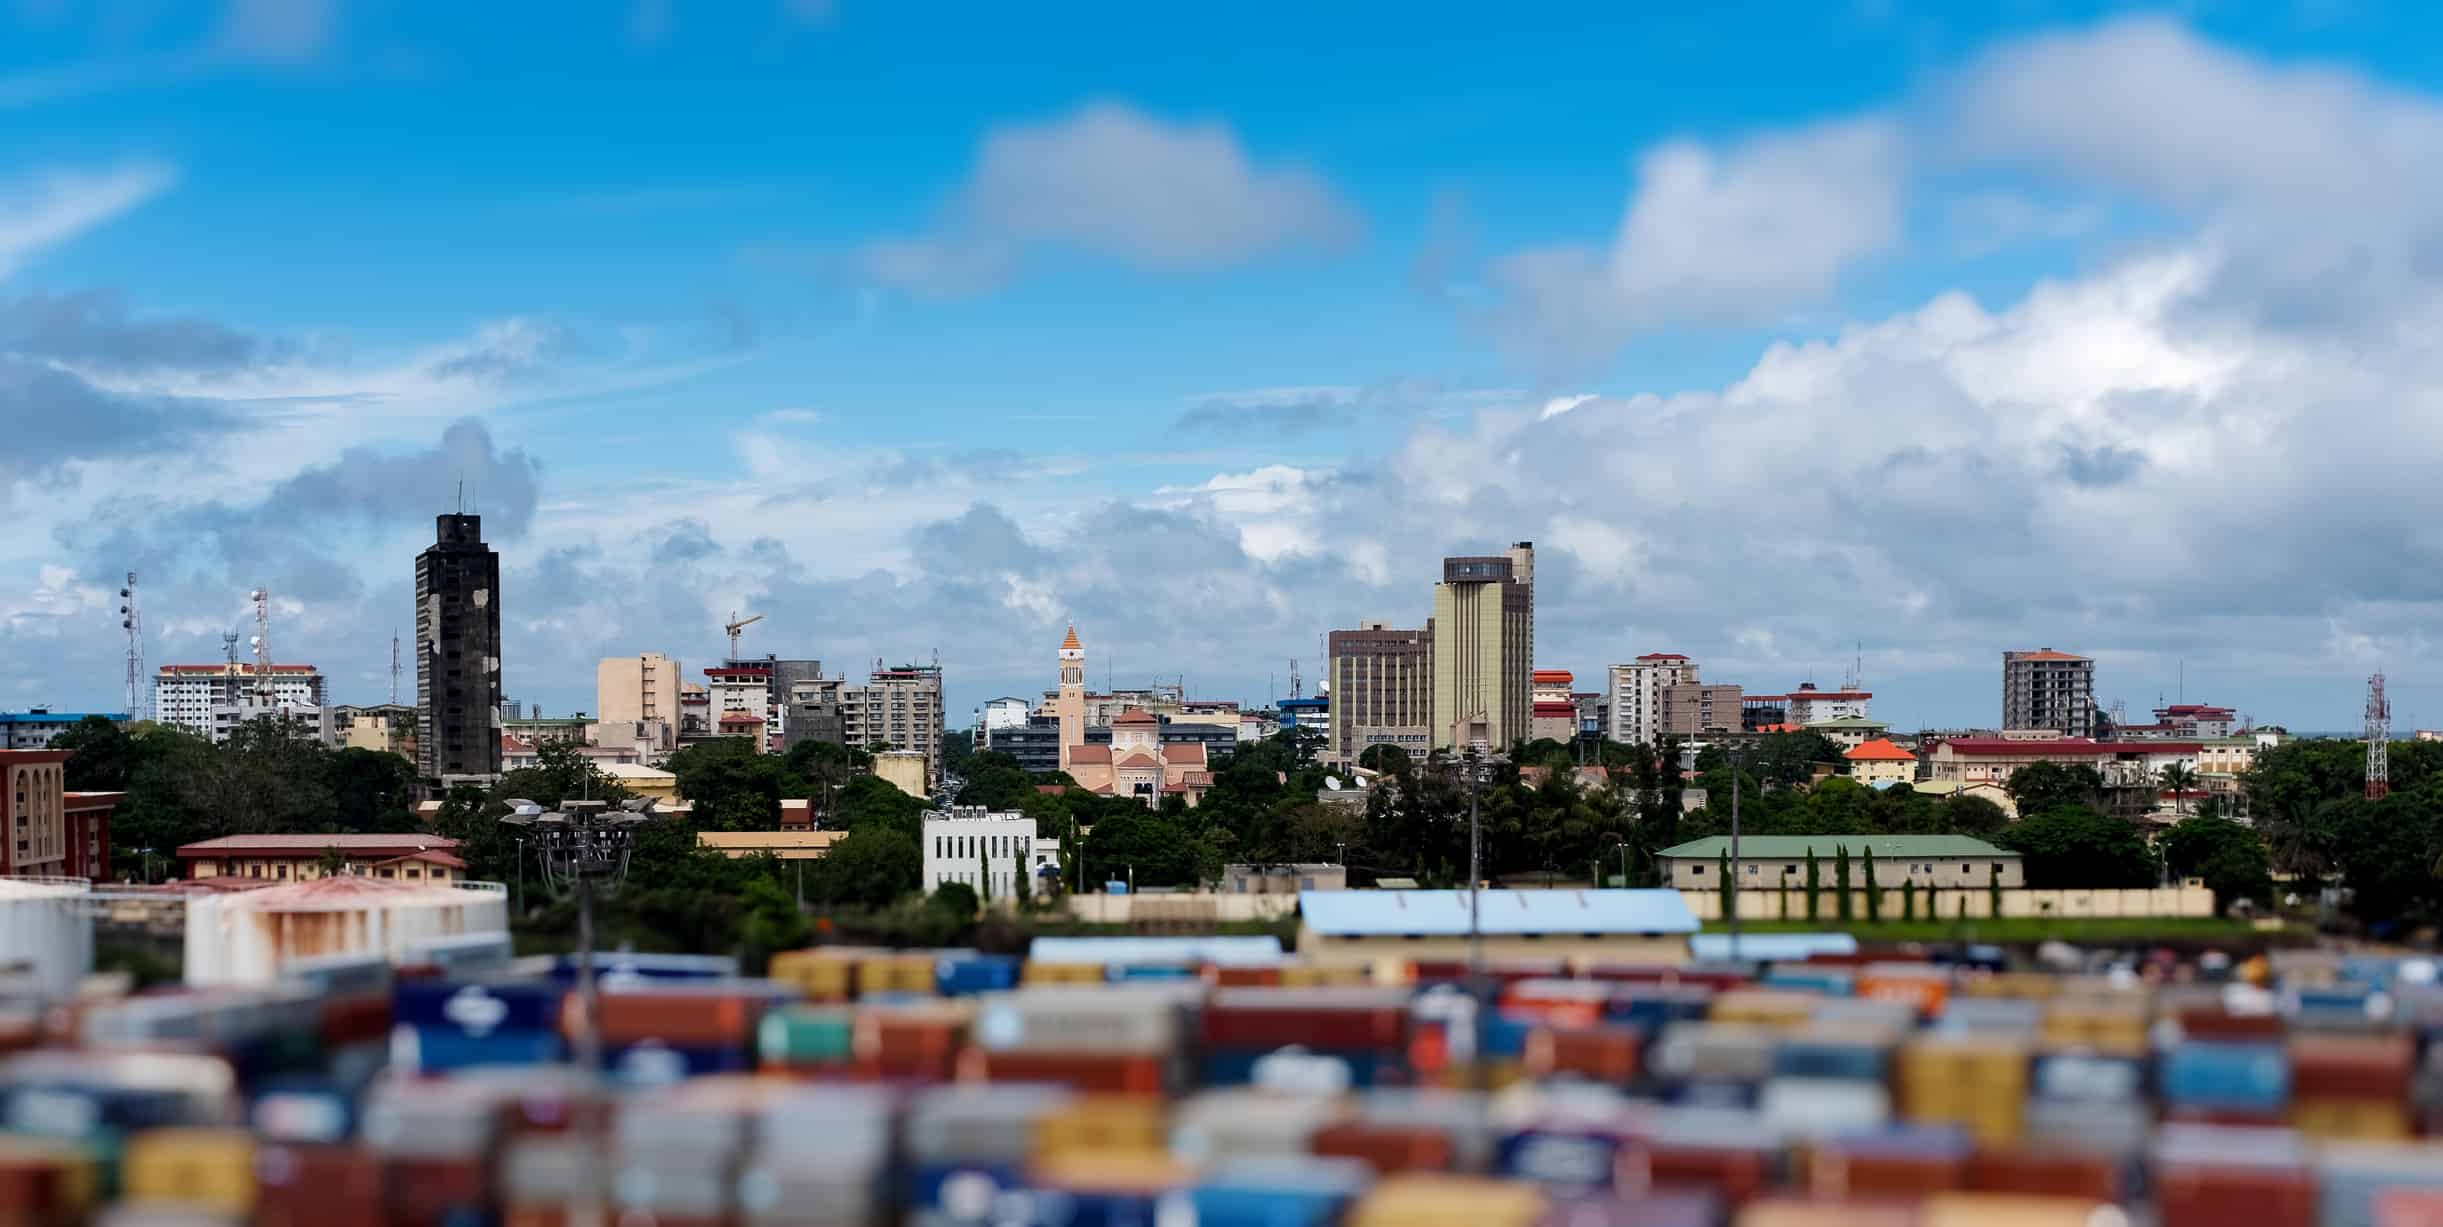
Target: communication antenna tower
x,y
394,666
229,650
262,645
131,620
1297,684
2379,740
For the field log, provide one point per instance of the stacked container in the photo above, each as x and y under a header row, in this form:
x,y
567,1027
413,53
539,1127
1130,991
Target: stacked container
x,y
2350,1087
1364,1028
1113,1040
443,1025
967,1146
1976,1083
659,1031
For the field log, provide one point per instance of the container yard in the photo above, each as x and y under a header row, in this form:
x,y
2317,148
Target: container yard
x,y
1178,1083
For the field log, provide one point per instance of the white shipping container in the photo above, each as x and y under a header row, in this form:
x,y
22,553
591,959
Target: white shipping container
x,y
46,930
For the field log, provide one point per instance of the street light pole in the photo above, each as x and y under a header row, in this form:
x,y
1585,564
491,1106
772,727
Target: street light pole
x,y
1733,895
521,876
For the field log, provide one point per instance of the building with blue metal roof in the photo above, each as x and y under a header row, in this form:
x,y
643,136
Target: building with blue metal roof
x,y
1617,925
33,730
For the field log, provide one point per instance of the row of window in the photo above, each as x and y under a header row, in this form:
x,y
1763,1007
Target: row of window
x,y
1793,868
966,845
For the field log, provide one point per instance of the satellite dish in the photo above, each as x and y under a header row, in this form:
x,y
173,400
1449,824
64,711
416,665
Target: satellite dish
x,y
1332,782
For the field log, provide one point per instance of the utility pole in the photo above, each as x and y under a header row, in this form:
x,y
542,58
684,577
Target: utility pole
x,y
1734,856
1475,930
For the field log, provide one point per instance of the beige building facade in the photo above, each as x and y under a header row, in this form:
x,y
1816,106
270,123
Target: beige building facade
x,y
1696,709
1484,648
1772,862
640,687
1382,690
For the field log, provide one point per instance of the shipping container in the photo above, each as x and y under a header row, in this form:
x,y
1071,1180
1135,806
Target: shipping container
x,y
2222,1075
806,1036
1216,1125
2048,1171
1905,1164
2014,1210
1087,1072
315,1185
478,1008
1804,1212
208,1168
1102,1124
1343,1018
1663,1209
1420,1200
2351,1175
1277,1192
1606,1054
1387,1148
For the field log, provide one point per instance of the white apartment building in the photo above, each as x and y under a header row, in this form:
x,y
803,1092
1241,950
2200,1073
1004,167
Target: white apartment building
x,y
210,700
1808,705
982,848
1637,695
745,690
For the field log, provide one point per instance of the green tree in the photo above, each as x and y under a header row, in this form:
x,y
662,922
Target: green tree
x,y
1840,878
333,862
1386,758
1874,887
1908,899
1993,892
869,867
2230,858
773,923
958,746
1967,815
956,899
1814,888
1023,876
2078,848
983,874
372,791
101,756
2045,786
2179,780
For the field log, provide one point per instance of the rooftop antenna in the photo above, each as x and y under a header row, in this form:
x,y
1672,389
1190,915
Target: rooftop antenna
x,y
394,666
462,496
1297,685
131,620
2379,740
262,645
229,650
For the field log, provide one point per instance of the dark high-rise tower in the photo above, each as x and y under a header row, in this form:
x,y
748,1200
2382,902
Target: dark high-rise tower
x,y
458,652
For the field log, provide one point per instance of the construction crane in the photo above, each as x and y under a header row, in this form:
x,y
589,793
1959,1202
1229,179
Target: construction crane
x,y
737,624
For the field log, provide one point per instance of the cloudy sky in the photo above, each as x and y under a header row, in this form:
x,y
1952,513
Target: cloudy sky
x,y
1779,332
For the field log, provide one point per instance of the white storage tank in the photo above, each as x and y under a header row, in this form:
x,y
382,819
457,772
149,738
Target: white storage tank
x,y
46,933
247,937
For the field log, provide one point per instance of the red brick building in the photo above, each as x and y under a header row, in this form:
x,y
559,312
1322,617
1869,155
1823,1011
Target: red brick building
x,y
48,830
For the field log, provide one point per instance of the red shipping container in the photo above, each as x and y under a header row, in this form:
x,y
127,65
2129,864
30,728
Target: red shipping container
x,y
1243,977
1388,1148
2214,1024
355,1020
1840,1174
1603,1054
314,1185
32,1191
1342,1028
1733,1175
2362,1067
2225,1116
2409,1208
433,1192
2212,1195
1433,971
2065,1173
1108,1075
681,1020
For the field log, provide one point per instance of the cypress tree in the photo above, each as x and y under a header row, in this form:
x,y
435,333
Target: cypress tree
x,y
1842,907
1730,889
1874,890
1993,891
1908,899
1814,881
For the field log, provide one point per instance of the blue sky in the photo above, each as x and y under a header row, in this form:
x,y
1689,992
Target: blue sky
x,y
1779,327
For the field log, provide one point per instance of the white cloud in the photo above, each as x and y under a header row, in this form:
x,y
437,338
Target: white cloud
x,y
60,205
1735,234
1111,179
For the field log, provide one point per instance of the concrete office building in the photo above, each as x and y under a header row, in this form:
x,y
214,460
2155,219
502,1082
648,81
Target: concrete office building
x,y
1699,709
2046,689
985,850
209,700
899,709
388,727
640,687
1484,648
1637,695
458,691
1382,690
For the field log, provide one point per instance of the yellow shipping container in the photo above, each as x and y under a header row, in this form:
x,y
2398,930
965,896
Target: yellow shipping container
x,y
2334,1120
823,975
2012,1210
1797,1212
1062,973
2021,985
1765,1007
1103,1125
1112,1170
1427,1200
212,1168
895,973
1306,975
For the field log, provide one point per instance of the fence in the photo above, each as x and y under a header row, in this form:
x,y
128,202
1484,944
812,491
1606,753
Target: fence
x,y
1967,904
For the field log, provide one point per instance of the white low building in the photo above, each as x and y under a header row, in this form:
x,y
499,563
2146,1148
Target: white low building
x,y
983,848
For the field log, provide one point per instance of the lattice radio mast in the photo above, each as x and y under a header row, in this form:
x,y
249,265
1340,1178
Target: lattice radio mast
x,y
131,620
2379,740
394,666
264,694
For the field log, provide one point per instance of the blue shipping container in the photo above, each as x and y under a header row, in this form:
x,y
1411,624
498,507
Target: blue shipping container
x,y
653,1063
961,1190
968,974
432,1050
1278,1192
477,1007
1236,1066
1809,1059
2234,1077
1829,983
1562,1158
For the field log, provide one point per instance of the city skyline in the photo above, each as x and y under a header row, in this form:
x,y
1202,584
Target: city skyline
x,y
913,345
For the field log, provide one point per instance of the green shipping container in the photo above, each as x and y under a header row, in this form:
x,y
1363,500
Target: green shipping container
x,y
795,1037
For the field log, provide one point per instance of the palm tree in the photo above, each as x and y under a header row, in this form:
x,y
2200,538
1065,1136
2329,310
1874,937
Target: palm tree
x,y
2180,779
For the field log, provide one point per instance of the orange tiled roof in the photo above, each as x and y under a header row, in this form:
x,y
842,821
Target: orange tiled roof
x,y
1185,753
1071,644
1134,715
1880,749
1138,762
1090,754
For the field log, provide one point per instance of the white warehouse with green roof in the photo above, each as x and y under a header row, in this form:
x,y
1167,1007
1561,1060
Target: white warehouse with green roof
x,y
1774,862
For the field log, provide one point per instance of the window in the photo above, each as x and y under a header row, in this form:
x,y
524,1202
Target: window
x,y
1699,870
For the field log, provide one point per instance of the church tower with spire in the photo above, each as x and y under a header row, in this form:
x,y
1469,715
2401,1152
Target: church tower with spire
x,y
1070,706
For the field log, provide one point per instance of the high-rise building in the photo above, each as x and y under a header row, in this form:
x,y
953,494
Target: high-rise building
x,y
898,709
458,691
1696,709
640,687
1484,648
210,700
2045,689
1637,695
1382,690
